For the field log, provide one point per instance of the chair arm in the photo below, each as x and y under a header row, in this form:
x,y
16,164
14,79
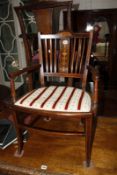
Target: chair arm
x,y
95,93
28,69
94,72
13,75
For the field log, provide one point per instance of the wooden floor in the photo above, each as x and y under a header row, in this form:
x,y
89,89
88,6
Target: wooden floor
x,y
65,155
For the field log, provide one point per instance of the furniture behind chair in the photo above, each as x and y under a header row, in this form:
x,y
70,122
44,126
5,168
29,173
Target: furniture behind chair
x,y
45,15
65,56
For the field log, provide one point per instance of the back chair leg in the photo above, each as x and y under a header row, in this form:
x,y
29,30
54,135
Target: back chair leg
x,y
20,141
88,140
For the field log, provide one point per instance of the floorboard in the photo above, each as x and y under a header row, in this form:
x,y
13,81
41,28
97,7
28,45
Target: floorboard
x,y
65,154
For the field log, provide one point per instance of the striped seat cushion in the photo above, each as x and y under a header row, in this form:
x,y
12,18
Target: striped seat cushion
x,y
57,98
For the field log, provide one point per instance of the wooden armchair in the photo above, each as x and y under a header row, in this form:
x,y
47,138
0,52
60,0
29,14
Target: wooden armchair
x,y
65,56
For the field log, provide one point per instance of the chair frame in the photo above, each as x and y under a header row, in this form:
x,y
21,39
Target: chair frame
x,y
87,117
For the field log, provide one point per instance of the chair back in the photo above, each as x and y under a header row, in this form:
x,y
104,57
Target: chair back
x,y
65,55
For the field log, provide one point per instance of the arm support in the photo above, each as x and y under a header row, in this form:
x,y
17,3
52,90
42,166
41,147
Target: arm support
x,y
95,78
27,70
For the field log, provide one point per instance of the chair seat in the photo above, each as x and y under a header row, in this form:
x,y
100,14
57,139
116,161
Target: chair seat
x,y
57,98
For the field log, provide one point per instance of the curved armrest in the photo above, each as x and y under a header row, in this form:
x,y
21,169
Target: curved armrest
x,y
24,70
96,78
94,72
13,75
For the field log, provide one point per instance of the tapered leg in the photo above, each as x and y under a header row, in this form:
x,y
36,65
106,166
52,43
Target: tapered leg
x,y
88,126
19,134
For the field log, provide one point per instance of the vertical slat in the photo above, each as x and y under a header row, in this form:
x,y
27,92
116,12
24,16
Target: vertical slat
x,y
50,50
73,55
82,55
78,55
46,55
55,56
58,53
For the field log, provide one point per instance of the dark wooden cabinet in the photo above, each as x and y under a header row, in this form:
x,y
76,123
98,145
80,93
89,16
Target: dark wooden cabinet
x,y
80,19
46,16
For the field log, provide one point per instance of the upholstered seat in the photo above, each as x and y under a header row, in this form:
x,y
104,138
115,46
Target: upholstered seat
x,y
57,98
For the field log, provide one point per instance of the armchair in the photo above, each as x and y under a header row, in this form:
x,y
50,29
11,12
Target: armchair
x,y
67,56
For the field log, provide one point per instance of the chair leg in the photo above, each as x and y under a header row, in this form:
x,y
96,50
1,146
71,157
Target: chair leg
x,y
19,135
88,126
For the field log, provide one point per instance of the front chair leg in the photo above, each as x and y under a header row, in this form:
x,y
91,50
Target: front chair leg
x,y
88,126
19,152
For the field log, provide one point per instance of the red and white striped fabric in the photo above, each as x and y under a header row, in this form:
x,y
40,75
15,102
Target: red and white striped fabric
x,y
57,98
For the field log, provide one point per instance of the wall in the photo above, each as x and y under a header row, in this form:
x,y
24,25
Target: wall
x,y
96,4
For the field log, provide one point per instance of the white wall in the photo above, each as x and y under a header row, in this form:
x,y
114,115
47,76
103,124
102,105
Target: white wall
x,y
96,4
